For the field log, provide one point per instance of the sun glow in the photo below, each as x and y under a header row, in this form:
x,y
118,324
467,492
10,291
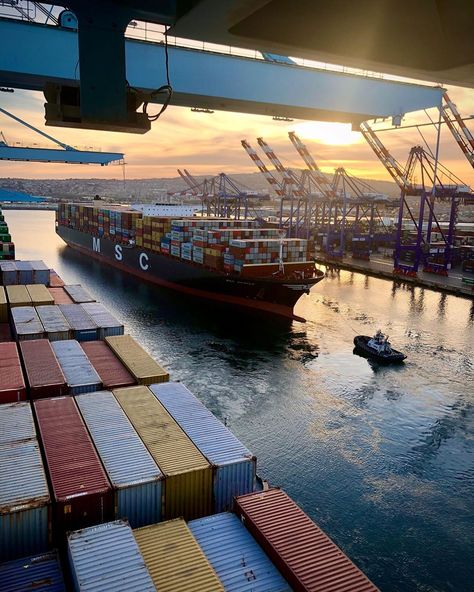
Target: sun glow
x,y
335,134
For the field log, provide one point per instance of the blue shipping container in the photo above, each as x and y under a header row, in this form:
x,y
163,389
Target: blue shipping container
x,y
83,327
40,272
25,272
79,372
235,466
16,422
107,557
40,573
107,323
237,558
131,469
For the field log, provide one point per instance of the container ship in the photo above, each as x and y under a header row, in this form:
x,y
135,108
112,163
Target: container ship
x,y
235,262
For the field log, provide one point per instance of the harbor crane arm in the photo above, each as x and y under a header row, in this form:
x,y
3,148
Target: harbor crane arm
x,y
274,184
458,128
289,178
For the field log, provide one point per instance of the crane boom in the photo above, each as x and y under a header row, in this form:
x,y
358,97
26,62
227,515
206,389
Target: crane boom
x,y
458,128
275,185
289,178
316,172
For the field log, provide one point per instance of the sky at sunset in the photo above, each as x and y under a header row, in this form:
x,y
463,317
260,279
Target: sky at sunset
x,y
210,143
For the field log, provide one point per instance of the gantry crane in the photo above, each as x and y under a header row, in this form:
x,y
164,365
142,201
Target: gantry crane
x,y
458,128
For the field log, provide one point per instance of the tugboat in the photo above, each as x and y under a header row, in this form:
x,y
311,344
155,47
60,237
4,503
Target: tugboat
x,y
377,347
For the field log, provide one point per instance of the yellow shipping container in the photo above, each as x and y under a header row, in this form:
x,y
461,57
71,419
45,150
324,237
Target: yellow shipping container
x,y
39,294
135,358
3,306
188,476
18,296
174,559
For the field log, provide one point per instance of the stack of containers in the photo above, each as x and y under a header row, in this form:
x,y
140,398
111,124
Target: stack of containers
x,y
25,272
174,559
78,294
81,490
26,323
132,471
40,272
82,326
237,558
233,464
25,519
165,245
9,273
106,558
39,294
305,556
112,372
60,296
41,573
44,375
54,323
79,372
188,476
18,296
12,384
5,334
140,364
187,251
105,321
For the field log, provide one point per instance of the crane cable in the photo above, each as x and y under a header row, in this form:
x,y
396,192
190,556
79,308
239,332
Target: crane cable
x,y
165,88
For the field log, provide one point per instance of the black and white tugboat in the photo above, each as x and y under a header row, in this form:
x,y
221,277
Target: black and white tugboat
x,y
377,347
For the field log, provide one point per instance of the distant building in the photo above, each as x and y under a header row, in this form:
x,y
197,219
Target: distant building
x,y
8,195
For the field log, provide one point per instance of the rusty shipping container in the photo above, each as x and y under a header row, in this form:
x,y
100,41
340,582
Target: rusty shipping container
x,y
188,476
82,494
304,554
110,369
43,372
59,295
12,384
142,366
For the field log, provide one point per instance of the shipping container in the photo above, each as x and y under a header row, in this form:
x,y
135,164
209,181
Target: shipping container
x,y
78,294
25,272
59,295
131,469
41,272
82,495
16,423
188,476
106,558
12,384
3,306
112,372
55,325
83,327
237,558
107,323
5,332
24,501
39,573
26,323
174,559
233,464
141,365
43,372
79,372
39,294
18,296
54,280
9,273
302,552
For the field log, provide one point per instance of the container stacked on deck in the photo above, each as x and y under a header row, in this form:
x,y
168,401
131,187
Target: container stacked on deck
x,y
12,384
39,573
7,248
80,374
105,321
42,370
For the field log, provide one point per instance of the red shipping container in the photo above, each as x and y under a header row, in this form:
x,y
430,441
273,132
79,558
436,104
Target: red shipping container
x,y
112,372
5,332
82,495
305,556
60,296
12,383
43,372
54,280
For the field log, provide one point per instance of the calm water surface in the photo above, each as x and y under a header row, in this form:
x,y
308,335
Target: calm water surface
x,y
381,458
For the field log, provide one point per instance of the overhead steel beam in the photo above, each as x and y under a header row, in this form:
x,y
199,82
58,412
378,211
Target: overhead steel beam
x,y
58,155
213,80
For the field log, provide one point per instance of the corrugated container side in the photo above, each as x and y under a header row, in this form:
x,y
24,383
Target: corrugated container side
x,y
188,483
26,323
3,306
5,332
41,272
112,372
142,366
132,471
9,273
43,372
24,501
79,372
39,295
107,323
16,423
12,384
54,280
54,323
18,296
39,573
25,272
106,558
59,295
239,561
78,294
234,465
83,327
82,493
303,553
174,559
